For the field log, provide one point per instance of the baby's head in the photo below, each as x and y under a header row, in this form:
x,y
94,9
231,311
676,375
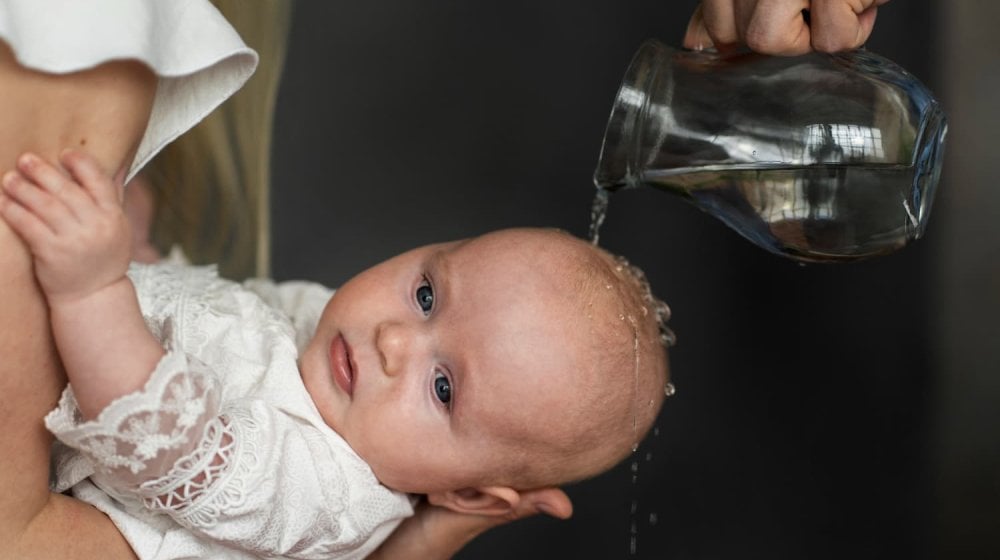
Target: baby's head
x,y
470,370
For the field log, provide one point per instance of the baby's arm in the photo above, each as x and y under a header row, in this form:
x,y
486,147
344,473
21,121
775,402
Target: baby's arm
x,y
80,243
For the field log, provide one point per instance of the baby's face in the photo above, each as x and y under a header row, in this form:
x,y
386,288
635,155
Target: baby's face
x,y
425,362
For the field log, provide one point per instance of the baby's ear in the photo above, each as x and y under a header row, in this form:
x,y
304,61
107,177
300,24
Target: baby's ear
x,y
487,500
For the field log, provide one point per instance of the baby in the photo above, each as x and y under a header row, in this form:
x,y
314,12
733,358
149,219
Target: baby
x,y
209,418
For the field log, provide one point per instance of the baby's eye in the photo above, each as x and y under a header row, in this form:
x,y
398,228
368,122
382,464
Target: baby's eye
x,y
442,388
425,297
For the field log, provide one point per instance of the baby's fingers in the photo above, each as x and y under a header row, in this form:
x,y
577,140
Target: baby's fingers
x,y
43,174
32,230
42,204
89,173
54,182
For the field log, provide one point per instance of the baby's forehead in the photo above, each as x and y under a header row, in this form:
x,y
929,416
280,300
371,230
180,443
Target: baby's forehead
x,y
530,253
576,353
534,279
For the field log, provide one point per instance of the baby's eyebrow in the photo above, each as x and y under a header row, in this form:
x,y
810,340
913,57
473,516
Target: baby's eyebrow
x,y
438,263
439,270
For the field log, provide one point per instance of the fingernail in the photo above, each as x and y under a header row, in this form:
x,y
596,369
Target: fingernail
x,y
8,178
27,160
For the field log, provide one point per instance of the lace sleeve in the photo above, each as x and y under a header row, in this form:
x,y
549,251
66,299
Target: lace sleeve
x,y
138,440
241,473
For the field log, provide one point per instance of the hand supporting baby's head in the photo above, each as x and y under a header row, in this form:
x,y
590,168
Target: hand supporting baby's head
x,y
472,370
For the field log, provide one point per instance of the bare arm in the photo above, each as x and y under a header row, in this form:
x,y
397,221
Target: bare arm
x,y
106,109
80,243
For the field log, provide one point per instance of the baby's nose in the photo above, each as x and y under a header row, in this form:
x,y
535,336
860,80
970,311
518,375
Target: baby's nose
x,y
398,345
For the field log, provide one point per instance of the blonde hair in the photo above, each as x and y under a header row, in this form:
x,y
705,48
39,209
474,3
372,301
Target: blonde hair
x,y
211,186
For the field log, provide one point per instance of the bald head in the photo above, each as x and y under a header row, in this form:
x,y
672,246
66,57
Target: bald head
x,y
599,389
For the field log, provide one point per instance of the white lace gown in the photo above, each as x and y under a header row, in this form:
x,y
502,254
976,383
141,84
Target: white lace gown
x,y
223,454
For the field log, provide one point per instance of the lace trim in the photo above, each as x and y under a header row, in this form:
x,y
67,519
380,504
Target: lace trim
x,y
183,294
137,428
212,478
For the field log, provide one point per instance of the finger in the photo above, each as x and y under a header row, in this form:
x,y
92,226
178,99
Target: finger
x,y
92,177
720,22
32,230
778,27
839,25
42,173
696,37
44,205
55,182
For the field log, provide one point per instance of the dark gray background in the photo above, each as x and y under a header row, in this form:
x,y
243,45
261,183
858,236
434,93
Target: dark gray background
x,y
808,421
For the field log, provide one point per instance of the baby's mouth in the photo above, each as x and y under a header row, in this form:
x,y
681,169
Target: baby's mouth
x,y
343,367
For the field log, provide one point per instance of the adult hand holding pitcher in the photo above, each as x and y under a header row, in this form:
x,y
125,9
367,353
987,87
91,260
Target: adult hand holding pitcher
x,y
817,157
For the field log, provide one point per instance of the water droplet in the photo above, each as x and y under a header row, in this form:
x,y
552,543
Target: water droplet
x,y
635,506
607,286
656,431
669,389
635,466
631,545
651,403
649,456
667,337
755,153
635,447
621,317
653,518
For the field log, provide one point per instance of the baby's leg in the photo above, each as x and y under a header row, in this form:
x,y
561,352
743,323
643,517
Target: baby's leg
x,y
104,110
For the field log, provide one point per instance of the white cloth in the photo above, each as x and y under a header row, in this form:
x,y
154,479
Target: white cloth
x,y
199,58
223,452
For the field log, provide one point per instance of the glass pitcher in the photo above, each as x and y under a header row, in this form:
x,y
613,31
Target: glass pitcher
x,y
820,157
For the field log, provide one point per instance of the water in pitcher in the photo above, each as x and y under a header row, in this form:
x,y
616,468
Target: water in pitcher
x,y
819,158
814,213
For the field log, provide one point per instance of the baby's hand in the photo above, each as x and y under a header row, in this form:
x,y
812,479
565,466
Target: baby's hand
x,y
74,226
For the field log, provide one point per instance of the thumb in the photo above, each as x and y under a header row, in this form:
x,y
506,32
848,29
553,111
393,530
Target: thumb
x,y
696,36
88,172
